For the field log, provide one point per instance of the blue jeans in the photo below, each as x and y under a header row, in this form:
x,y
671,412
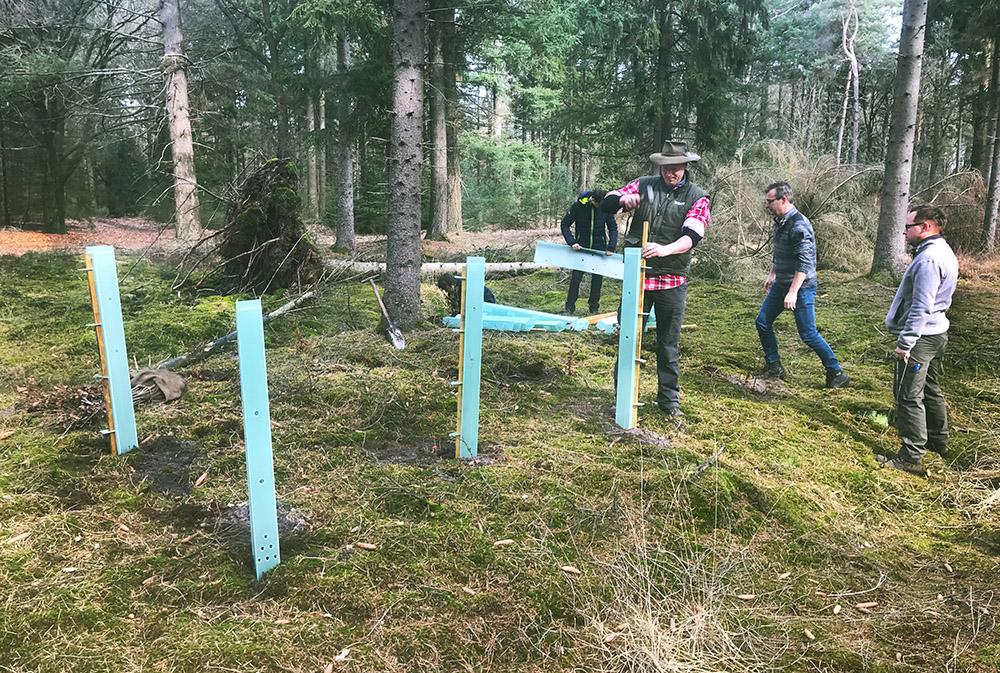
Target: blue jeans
x,y
805,321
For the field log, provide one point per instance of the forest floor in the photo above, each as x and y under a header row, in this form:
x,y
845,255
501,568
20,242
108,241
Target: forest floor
x,y
567,545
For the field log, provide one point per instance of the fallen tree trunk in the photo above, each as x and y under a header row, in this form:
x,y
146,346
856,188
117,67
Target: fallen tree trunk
x,y
338,267
202,352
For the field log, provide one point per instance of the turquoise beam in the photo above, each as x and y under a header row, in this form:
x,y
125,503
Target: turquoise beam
x,y
584,259
470,358
626,399
499,323
103,277
551,320
257,436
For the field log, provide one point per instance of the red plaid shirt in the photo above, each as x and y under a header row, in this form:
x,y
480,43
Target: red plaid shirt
x,y
699,212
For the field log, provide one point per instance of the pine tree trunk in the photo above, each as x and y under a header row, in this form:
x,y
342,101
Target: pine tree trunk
x,y
811,123
993,152
402,282
438,127
843,116
993,120
312,166
321,152
186,206
992,201
664,115
889,243
345,152
4,184
451,53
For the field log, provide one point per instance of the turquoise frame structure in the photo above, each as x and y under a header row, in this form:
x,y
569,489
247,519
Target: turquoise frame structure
x,y
257,436
584,259
102,276
470,360
627,394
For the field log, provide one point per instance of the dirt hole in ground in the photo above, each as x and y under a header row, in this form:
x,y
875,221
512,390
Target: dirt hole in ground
x,y
430,452
166,464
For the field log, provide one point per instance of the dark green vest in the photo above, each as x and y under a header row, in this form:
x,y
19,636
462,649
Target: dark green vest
x,y
665,212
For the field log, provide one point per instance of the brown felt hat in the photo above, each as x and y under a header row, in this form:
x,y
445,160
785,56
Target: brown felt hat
x,y
673,152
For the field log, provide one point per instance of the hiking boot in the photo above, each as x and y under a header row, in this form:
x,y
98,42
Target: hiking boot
x,y
594,310
899,464
837,379
943,452
569,310
772,370
673,412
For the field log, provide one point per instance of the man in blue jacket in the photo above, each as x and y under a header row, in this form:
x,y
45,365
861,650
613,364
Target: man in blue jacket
x,y
791,285
591,224
917,318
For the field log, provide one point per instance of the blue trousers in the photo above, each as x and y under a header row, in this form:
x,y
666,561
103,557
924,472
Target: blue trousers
x,y
805,321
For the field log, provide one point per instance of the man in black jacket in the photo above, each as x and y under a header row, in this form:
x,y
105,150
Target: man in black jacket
x,y
591,223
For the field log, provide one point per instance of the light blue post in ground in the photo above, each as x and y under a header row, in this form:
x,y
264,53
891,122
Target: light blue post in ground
x,y
626,400
257,436
471,362
103,277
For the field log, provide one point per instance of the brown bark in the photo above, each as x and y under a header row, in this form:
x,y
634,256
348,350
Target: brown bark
x,y
889,242
321,154
345,153
312,165
402,284
451,53
186,206
993,150
438,126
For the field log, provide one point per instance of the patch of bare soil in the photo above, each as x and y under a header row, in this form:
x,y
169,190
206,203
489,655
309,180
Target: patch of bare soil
x,y
166,464
422,454
290,520
639,436
125,233
759,386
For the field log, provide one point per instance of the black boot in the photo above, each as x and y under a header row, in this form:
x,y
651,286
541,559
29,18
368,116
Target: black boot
x,y
772,370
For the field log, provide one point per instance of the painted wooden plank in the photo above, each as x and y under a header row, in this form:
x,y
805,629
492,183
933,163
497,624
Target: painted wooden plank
x,y
576,324
257,436
470,358
103,277
610,324
585,259
500,323
626,415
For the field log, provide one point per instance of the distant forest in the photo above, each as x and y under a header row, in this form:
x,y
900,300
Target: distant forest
x,y
516,104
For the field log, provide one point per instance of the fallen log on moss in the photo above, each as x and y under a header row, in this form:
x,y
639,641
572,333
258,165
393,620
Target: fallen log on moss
x,y
336,268
202,352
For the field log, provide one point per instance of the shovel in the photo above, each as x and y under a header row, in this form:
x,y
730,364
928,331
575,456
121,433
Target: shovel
x,y
395,336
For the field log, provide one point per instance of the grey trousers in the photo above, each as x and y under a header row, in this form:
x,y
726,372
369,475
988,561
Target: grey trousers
x,y
921,411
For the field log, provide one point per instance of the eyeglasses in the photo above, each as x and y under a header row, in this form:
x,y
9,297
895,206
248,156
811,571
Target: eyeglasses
x,y
915,224
770,201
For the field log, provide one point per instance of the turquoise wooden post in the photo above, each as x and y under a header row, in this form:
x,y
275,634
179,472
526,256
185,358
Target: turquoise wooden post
x,y
103,278
626,400
470,358
257,436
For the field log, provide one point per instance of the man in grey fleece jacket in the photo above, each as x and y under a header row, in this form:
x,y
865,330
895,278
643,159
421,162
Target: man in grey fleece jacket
x,y
917,318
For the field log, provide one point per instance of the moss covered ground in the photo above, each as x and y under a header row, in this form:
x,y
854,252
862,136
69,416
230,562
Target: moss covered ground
x,y
120,563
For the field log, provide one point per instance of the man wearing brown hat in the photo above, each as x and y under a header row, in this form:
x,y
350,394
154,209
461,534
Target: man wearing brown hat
x,y
678,213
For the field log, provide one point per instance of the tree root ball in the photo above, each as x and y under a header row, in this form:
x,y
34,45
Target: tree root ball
x,y
264,242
